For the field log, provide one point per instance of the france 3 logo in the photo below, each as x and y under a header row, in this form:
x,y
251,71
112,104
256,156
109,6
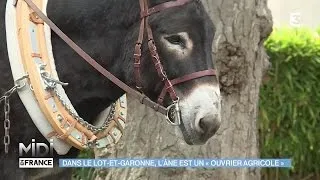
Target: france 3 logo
x,y
36,150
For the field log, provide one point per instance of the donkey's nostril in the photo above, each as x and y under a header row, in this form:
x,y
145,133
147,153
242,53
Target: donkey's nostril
x,y
202,125
207,125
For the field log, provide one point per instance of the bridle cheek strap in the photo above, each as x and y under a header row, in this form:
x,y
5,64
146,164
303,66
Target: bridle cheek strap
x,y
168,87
137,49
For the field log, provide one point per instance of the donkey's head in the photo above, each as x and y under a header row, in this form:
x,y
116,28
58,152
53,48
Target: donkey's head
x,y
183,36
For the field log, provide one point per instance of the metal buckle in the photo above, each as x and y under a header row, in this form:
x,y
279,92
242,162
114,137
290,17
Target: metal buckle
x,y
20,83
173,113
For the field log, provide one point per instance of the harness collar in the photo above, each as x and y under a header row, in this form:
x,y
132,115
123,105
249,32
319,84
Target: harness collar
x,y
30,52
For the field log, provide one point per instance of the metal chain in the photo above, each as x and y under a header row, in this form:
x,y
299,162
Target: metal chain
x,y
6,99
89,126
52,85
6,125
48,81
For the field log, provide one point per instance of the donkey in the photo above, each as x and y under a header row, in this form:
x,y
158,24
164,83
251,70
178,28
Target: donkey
x,y
107,30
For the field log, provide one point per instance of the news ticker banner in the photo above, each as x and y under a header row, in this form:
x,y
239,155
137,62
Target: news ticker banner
x,y
174,163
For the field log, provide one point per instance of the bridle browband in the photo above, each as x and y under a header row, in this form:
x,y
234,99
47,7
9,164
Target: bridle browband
x,y
171,112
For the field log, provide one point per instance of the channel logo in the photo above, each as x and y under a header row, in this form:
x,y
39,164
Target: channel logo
x,y
36,150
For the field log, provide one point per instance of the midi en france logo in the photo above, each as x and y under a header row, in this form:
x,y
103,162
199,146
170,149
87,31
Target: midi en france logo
x,y
36,150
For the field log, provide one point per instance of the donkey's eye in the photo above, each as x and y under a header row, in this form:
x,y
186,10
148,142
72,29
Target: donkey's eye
x,y
176,40
178,44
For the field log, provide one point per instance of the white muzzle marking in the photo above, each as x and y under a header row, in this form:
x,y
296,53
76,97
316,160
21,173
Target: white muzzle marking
x,y
203,102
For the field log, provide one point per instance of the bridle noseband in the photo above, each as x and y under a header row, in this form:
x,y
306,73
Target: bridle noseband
x,y
171,112
168,84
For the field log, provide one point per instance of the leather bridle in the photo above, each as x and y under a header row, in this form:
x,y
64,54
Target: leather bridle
x,y
171,112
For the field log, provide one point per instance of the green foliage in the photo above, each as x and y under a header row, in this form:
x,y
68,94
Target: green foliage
x,y
289,119
84,173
